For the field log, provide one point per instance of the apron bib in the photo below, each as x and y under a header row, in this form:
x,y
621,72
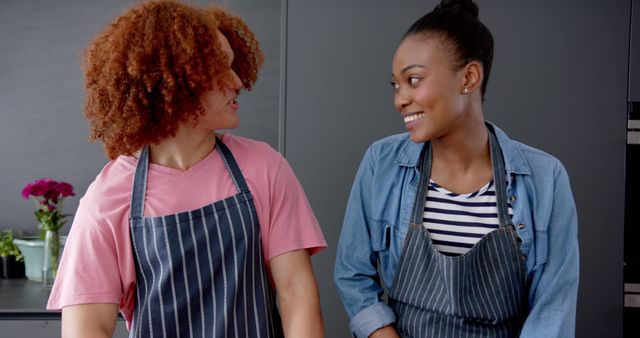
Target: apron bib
x,y
201,272
481,293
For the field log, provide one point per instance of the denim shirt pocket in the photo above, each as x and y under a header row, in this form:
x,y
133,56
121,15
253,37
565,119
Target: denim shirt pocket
x,y
380,236
542,238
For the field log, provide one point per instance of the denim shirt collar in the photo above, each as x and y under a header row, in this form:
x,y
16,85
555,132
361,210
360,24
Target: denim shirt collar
x,y
515,163
409,154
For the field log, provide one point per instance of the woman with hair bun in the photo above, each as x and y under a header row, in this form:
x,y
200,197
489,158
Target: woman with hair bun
x,y
186,232
474,234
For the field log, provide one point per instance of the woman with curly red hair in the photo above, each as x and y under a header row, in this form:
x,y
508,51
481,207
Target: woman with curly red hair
x,y
147,239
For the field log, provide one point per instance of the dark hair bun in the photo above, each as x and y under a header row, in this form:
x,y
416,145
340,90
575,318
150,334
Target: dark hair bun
x,y
456,21
459,6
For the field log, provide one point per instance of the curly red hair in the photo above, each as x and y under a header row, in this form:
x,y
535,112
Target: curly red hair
x,y
145,73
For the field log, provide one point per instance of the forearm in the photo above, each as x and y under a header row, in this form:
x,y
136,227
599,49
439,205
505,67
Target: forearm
x,y
297,294
300,311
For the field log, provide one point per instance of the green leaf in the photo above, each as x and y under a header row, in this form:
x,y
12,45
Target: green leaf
x,y
7,248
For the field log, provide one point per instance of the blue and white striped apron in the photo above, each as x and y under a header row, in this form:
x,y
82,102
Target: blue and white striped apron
x,y
481,293
201,273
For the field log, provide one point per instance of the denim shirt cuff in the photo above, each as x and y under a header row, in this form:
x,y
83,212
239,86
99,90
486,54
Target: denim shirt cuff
x,y
371,318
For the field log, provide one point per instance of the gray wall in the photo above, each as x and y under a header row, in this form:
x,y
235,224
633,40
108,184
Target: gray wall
x,y
559,83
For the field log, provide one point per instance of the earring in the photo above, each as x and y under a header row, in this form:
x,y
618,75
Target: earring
x,y
465,90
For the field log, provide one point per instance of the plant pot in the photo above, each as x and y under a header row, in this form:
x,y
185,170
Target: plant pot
x,y
11,268
32,249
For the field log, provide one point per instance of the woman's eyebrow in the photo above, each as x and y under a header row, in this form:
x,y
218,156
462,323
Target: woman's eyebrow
x,y
405,69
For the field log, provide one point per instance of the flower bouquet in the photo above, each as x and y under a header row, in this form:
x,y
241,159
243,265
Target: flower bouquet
x,y
49,195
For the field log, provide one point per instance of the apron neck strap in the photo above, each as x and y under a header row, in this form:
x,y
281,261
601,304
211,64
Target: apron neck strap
x,y
423,184
232,167
499,178
140,184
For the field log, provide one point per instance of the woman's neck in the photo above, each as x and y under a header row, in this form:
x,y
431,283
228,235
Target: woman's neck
x,y
461,158
463,147
188,147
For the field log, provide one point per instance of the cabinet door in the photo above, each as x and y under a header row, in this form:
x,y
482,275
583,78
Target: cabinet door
x,y
46,328
634,53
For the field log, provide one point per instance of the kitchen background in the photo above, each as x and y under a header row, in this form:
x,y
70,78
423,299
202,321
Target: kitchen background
x,y
560,82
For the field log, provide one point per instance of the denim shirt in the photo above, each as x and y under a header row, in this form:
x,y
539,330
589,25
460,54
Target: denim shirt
x,y
377,217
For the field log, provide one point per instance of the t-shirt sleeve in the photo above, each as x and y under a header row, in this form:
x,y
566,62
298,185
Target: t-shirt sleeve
x,y
293,226
91,269
88,270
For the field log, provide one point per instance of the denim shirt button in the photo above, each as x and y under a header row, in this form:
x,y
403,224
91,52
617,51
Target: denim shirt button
x,y
520,226
512,199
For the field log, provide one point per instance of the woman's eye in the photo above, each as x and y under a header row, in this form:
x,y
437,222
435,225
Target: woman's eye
x,y
394,85
413,80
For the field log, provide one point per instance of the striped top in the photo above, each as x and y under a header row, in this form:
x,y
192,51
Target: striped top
x,y
456,222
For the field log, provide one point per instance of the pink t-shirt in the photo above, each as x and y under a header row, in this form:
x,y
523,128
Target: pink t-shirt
x,y
97,265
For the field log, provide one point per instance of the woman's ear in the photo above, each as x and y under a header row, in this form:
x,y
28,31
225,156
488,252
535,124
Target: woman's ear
x,y
473,75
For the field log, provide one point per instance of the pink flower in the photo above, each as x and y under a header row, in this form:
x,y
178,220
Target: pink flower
x,y
65,189
26,191
50,189
38,187
48,194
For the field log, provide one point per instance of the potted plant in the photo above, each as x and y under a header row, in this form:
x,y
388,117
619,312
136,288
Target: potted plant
x,y
11,257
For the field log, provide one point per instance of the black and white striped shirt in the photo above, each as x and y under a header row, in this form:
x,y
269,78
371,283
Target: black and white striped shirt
x,y
456,222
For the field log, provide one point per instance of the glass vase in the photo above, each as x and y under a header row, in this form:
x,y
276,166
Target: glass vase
x,y
51,257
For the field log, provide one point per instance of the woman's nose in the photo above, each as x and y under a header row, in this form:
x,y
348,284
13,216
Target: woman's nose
x,y
401,101
236,83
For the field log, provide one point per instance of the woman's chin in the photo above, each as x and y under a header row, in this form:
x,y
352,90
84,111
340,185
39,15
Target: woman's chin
x,y
417,137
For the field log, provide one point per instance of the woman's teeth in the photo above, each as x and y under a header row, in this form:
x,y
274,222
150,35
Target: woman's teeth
x,y
413,117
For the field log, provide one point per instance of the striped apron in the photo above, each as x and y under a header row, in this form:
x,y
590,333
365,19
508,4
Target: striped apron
x,y
481,293
201,273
